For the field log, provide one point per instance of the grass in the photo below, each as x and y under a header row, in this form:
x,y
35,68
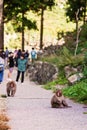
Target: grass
x,y
77,92
84,112
52,85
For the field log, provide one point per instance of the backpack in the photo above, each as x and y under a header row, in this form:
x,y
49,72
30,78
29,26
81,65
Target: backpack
x,y
33,54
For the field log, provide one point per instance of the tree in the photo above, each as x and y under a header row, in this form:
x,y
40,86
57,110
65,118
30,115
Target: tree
x,y
15,11
76,10
43,6
1,26
72,8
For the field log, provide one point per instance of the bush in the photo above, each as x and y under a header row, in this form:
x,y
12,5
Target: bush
x,y
83,34
50,85
77,92
66,58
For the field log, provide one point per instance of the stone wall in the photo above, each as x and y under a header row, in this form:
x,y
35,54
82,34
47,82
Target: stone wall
x,y
42,72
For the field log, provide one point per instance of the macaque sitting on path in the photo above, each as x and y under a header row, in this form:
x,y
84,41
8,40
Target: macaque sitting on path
x,y
11,88
58,100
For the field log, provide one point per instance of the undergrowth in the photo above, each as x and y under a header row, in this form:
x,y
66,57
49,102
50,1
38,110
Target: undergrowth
x,y
77,92
61,80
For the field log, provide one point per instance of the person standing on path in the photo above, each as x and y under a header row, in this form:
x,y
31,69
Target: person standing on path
x,y
6,57
33,55
21,68
11,64
19,52
1,67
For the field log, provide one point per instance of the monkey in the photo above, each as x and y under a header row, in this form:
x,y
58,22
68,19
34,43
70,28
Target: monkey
x,y
11,88
58,100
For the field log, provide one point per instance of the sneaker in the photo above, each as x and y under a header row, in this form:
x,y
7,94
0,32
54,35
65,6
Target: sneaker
x,y
22,83
16,82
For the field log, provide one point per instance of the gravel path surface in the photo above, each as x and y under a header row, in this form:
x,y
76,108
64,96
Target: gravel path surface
x,y
30,109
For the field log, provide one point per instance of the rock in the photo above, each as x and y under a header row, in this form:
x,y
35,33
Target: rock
x,y
69,71
74,78
43,72
48,51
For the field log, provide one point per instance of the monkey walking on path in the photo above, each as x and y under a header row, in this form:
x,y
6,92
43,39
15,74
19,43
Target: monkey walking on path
x,y
11,88
58,100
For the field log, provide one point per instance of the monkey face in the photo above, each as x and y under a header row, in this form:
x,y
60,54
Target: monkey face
x,y
59,93
11,84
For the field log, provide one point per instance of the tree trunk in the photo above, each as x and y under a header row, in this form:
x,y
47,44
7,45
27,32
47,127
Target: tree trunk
x,y
1,26
41,28
77,31
22,31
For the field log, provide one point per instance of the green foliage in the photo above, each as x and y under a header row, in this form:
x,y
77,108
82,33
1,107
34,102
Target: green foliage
x,y
50,85
85,70
77,60
84,112
77,92
68,59
52,59
60,81
61,77
85,57
73,6
13,43
65,58
85,65
54,20
83,34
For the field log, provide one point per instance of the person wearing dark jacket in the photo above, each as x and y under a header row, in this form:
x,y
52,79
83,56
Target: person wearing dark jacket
x,y
11,64
21,68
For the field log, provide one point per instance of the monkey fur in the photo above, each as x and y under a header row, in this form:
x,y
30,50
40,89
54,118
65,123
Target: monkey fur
x,y
11,88
58,100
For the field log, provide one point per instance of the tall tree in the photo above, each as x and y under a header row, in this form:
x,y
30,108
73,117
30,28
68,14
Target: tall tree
x,y
76,10
14,8
15,11
1,26
72,8
45,4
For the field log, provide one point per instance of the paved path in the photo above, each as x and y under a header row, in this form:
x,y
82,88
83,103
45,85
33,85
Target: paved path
x,y
30,109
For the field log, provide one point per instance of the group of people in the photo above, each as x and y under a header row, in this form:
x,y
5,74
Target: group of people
x,y
17,58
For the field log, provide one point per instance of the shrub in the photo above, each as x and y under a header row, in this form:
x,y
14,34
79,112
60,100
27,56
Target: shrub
x,y
77,92
83,34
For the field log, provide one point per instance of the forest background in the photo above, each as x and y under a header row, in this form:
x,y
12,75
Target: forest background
x,y
54,23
